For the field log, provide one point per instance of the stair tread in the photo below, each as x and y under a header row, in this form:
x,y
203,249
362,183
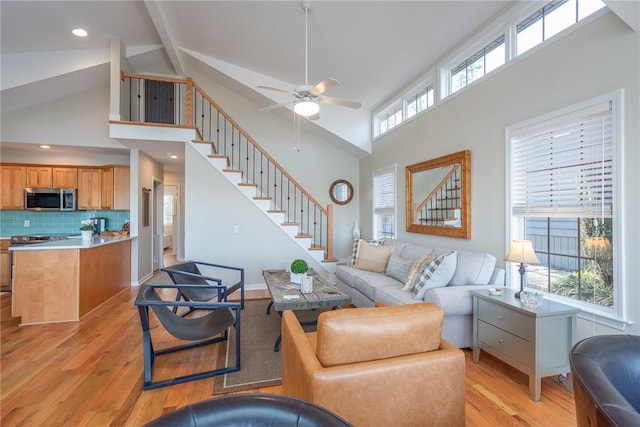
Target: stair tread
x,y
290,223
261,198
303,236
275,211
247,184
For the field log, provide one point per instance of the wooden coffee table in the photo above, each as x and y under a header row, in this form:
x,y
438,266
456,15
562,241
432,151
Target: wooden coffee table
x,y
285,296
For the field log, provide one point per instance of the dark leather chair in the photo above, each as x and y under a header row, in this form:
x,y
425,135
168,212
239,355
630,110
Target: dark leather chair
x,y
203,330
190,273
606,380
253,409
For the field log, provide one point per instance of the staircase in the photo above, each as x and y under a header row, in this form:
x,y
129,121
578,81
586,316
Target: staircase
x,y
246,165
443,205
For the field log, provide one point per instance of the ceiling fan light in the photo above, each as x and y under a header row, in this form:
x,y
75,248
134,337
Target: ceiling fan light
x,y
306,108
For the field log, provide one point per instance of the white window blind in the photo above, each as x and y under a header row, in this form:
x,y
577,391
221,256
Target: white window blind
x,y
563,167
384,191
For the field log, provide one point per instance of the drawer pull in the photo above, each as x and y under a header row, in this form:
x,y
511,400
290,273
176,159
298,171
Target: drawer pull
x,y
501,317
500,341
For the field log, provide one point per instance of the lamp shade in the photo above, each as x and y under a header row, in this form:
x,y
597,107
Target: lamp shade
x,y
521,251
306,108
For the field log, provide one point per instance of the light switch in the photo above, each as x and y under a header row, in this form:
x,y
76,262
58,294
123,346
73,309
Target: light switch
x,y
236,229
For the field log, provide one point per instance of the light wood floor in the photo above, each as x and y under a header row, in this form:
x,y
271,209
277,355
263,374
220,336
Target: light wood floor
x,y
89,373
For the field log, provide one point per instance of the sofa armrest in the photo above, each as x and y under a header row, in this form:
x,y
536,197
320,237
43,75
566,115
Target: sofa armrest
x,y
298,359
497,278
454,300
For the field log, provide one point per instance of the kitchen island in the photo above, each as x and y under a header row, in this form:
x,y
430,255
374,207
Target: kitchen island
x,y
62,280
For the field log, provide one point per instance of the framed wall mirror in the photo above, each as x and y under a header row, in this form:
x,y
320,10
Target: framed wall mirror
x,y
341,192
438,200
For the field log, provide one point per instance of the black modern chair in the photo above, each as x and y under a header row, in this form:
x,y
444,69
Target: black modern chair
x,y
189,273
206,329
251,409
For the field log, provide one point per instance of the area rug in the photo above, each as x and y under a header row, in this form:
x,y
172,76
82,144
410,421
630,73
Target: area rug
x,y
260,365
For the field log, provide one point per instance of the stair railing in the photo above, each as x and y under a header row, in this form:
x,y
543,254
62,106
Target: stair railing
x,y
436,208
195,109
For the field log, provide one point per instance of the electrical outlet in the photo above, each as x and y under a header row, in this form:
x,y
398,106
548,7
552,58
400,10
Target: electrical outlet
x,y
236,229
27,223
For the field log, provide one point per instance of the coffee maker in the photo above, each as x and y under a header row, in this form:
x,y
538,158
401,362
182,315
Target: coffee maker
x,y
100,224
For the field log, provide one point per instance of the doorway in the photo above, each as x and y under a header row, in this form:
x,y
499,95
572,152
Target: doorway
x,y
157,216
171,224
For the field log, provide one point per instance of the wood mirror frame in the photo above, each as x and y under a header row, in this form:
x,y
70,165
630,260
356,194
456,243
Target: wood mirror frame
x,y
438,196
337,189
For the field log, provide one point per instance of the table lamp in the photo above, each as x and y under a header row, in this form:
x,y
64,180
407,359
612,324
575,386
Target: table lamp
x,y
521,251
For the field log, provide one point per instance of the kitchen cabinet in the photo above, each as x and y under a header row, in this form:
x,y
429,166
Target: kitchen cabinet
x,y
4,264
115,188
65,177
39,177
89,188
12,182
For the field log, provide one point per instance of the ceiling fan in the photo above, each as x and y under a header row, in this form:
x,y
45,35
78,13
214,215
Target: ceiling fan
x,y
307,97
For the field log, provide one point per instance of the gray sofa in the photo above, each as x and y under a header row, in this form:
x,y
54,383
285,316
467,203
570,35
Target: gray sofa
x,y
473,270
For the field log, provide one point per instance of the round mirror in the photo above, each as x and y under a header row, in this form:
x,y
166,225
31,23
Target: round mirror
x,y
341,192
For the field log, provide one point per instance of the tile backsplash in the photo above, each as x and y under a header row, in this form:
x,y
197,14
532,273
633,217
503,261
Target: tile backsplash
x,y
13,222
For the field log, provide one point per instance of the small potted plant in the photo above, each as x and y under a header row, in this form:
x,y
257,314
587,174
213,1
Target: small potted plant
x,y
87,229
299,270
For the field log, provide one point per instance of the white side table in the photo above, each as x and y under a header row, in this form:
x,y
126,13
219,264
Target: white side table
x,y
534,341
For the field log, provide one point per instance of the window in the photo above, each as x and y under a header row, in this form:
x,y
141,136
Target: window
x,y
562,179
169,209
550,20
384,203
420,101
477,65
389,119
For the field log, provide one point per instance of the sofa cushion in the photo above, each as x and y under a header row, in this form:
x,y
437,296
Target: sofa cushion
x,y
436,274
392,294
473,268
346,274
356,247
416,271
413,251
372,258
366,282
398,267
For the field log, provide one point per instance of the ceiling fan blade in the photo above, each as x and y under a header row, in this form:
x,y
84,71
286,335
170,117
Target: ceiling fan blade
x,y
323,86
290,92
340,102
281,104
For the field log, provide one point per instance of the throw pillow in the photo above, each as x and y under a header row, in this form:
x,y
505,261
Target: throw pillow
x,y
416,270
356,243
436,274
398,267
372,258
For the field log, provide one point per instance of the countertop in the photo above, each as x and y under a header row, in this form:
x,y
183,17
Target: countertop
x,y
72,243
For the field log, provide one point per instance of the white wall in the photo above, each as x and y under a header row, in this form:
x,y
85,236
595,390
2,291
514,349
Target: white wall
x,y
78,120
177,178
597,58
213,206
315,167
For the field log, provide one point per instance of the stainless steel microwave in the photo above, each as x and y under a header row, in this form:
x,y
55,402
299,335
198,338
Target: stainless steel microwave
x,y
50,199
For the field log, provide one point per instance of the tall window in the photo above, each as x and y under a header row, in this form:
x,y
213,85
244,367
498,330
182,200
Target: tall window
x,y
562,185
384,203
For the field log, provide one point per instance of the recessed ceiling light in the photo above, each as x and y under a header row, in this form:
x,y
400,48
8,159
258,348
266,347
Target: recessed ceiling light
x,y
79,32
173,156
45,146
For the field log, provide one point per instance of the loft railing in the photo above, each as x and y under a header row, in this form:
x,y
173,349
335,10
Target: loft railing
x,y
442,206
191,107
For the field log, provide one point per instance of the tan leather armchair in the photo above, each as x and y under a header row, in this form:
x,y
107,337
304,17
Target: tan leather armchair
x,y
382,366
